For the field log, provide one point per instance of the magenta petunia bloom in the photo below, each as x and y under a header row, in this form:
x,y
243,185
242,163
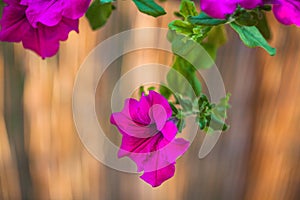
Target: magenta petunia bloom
x,y
41,24
221,8
149,137
287,11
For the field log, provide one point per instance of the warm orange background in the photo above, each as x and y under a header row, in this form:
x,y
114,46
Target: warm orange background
x,y
41,156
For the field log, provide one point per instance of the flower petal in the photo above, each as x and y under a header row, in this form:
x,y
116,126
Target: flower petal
x,y
157,177
51,12
142,110
38,24
169,130
153,153
250,4
141,151
128,121
173,150
287,12
221,8
75,10
11,2
166,153
128,127
13,24
135,146
218,8
158,115
45,40
156,154
156,98
48,13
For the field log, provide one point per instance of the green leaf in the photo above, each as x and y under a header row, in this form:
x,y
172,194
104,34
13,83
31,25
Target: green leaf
x,y
181,27
149,7
98,13
185,103
183,80
165,91
180,125
220,109
141,90
177,14
266,7
251,37
203,104
190,50
194,32
106,1
212,117
263,26
204,19
151,88
248,19
215,38
179,118
202,123
174,109
2,4
219,114
187,8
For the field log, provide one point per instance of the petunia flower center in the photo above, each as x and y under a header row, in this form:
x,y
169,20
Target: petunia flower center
x,y
158,116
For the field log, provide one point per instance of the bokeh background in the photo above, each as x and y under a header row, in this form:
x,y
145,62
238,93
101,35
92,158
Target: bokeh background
x,y
41,156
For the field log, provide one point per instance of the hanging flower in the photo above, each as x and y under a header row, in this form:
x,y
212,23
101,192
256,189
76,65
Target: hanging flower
x,y
41,24
149,137
287,11
221,8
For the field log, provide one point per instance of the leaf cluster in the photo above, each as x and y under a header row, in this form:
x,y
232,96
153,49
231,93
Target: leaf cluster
x,y
100,11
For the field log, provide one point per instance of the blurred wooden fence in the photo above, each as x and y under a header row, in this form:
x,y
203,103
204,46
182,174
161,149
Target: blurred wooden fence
x,y
41,156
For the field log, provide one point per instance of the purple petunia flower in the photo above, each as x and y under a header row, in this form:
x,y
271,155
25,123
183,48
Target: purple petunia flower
x,y
41,24
287,11
149,137
221,8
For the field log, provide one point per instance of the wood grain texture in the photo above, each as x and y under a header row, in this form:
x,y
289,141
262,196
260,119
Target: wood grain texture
x,y
258,158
